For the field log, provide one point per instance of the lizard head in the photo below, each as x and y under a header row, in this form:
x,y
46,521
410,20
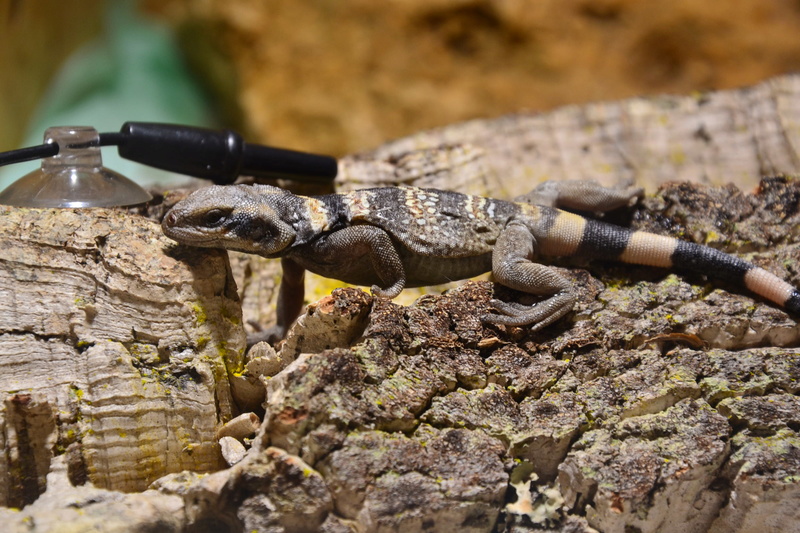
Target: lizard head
x,y
235,217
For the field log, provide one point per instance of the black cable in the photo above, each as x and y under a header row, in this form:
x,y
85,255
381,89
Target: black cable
x,y
220,156
112,138
217,155
41,151
28,154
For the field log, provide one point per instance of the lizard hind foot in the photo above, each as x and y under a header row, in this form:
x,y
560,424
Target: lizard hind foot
x,y
583,195
535,316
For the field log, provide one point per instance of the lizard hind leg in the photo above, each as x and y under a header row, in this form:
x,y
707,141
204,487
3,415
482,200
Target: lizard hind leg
x,y
512,267
582,195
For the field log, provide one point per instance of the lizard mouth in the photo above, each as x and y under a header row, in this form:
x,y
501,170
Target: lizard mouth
x,y
195,236
192,239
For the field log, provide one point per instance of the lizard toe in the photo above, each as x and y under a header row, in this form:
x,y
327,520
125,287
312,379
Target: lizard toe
x,y
535,316
508,308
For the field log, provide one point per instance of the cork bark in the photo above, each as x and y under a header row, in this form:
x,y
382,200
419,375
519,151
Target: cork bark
x,y
663,402
115,350
713,138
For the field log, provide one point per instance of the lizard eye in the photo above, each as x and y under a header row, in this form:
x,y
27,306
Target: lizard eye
x,y
214,218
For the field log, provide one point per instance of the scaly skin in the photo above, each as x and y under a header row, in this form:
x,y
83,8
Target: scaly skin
x,y
395,237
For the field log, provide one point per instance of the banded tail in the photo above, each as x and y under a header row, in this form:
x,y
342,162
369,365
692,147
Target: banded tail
x,y
570,234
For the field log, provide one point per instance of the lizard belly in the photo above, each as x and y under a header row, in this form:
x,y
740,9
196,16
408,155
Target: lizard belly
x,y
422,270
356,271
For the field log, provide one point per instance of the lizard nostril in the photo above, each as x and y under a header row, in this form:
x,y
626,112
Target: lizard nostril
x,y
170,219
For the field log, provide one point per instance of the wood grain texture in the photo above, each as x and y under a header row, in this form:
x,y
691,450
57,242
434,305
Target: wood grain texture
x,y
122,339
715,138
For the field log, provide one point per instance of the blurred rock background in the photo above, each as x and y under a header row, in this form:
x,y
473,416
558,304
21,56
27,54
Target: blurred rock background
x,y
348,75
343,76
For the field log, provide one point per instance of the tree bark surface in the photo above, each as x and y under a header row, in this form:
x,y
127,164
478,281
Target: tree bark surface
x,y
716,138
115,349
664,402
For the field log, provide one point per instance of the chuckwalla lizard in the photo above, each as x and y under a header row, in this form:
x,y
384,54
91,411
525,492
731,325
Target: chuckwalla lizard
x,y
396,237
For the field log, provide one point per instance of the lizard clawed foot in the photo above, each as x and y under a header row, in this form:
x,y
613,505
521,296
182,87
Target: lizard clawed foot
x,y
510,308
536,316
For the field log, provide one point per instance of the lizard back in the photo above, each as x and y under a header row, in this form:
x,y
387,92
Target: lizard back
x,y
432,222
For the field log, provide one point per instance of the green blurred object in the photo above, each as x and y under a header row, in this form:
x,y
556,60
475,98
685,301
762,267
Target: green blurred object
x,y
133,71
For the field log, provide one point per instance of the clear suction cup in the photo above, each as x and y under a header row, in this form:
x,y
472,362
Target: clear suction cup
x,y
75,177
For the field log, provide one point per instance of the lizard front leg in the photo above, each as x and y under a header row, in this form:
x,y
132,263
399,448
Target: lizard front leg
x,y
357,254
291,294
362,255
375,244
512,267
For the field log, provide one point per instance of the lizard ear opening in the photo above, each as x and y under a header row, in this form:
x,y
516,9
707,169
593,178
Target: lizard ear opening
x,y
265,234
274,238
